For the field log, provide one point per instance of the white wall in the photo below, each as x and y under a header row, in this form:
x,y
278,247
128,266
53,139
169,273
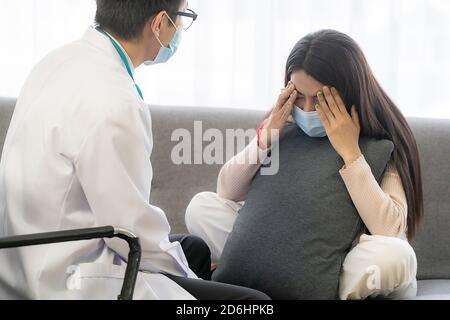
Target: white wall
x,y
235,53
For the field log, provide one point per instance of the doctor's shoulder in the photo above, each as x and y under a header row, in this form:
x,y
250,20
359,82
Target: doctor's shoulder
x,y
53,65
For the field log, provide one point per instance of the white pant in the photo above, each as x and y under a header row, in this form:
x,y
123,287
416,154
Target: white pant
x,y
376,266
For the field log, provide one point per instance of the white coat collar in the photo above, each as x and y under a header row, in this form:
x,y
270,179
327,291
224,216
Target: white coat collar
x,y
100,41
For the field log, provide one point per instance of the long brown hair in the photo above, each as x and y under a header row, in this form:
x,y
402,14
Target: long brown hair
x,y
335,59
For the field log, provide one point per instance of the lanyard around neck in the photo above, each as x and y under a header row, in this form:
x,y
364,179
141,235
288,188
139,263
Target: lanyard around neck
x,y
124,59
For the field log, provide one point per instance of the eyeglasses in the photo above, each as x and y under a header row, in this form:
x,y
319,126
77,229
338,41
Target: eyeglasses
x,y
188,17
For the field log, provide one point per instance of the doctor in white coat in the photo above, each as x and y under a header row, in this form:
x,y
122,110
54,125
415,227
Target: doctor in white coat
x,y
77,155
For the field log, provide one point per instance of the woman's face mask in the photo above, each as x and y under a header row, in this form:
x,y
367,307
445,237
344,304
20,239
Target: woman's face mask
x,y
309,122
164,53
304,113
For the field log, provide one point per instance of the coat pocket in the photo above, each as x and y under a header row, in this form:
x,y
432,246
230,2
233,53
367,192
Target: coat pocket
x,y
96,281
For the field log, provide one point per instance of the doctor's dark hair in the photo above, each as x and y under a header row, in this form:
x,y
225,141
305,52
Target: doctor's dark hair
x,y
336,60
127,18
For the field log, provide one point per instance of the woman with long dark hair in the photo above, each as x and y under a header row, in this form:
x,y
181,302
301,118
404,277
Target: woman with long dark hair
x,y
331,91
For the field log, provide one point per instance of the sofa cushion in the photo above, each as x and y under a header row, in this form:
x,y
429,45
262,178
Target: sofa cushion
x,y
433,297
433,290
433,287
431,243
296,227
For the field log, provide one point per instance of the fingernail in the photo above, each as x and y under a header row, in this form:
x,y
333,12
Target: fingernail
x,y
317,107
334,90
320,94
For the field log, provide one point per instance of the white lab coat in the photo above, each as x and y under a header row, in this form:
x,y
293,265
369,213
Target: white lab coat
x,y
77,155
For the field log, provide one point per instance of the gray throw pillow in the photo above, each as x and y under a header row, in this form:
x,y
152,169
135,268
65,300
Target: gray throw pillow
x,y
295,229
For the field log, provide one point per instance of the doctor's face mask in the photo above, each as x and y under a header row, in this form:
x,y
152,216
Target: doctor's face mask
x,y
165,53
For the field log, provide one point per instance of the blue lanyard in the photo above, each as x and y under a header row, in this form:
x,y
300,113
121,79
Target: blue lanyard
x,y
124,60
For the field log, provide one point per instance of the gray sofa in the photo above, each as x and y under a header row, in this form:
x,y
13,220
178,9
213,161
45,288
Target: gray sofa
x,y
174,186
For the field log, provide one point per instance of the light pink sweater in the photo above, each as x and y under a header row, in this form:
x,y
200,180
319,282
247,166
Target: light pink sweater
x,y
383,209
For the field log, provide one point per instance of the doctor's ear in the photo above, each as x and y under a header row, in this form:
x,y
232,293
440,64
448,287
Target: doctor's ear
x,y
156,22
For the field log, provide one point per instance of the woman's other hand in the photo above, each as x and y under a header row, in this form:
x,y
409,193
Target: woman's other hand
x,y
280,114
343,129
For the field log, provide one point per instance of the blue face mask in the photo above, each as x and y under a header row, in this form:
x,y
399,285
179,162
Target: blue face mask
x,y
164,53
309,122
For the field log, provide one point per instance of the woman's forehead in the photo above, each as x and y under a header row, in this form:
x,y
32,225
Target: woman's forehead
x,y
305,84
